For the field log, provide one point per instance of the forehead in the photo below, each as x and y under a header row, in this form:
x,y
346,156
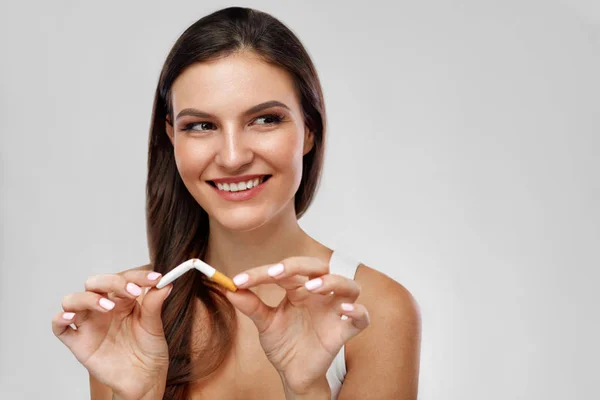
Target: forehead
x,y
233,83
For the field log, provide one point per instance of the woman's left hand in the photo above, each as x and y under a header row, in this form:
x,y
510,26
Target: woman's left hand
x,y
304,333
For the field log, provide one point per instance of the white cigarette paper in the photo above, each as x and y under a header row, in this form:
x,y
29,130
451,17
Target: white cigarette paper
x,y
201,266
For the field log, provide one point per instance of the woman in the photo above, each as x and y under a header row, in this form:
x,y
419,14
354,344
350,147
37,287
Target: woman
x,y
235,153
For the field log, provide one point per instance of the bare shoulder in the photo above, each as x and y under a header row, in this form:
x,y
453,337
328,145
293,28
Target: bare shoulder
x,y
384,293
388,350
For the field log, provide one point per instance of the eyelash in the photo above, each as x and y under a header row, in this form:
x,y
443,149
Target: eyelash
x,y
278,118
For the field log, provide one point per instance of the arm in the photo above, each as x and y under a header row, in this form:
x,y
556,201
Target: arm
x,y
99,391
383,361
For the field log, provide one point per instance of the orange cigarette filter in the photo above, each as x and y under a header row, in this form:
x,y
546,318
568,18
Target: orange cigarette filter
x,y
224,281
215,275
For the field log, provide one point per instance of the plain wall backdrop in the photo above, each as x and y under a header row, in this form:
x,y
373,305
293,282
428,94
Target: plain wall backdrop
x,y
461,161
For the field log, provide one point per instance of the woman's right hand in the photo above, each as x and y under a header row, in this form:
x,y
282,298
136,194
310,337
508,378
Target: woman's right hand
x,y
119,340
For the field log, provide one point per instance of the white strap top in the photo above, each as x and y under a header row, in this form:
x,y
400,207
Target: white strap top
x,y
344,266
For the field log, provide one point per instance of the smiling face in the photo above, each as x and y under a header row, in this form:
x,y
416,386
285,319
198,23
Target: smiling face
x,y
238,119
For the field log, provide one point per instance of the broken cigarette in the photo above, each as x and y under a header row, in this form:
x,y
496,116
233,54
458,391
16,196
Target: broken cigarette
x,y
201,266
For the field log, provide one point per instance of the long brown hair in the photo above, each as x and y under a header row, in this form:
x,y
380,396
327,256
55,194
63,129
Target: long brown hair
x,y
177,227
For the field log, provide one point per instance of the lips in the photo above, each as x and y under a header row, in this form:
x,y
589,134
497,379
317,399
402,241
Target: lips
x,y
240,191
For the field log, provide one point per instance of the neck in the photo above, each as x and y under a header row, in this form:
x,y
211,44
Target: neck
x,y
232,252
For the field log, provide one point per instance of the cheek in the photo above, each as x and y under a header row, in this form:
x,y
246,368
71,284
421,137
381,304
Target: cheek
x,y
284,150
191,158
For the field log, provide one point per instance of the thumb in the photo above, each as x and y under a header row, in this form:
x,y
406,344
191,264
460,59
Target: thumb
x,y
252,306
151,309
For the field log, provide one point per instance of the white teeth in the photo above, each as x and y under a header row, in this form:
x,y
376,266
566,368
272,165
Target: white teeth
x,y
236,187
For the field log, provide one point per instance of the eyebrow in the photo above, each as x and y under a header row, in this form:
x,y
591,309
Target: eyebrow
x,y
197,113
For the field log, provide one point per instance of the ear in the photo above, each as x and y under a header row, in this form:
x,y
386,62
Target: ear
x,y
169,129
309,141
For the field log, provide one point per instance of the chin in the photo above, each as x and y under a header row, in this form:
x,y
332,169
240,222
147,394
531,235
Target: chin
x,y
240,219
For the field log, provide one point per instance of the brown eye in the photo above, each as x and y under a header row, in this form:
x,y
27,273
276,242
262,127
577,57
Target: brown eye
x,y
270,119
203,125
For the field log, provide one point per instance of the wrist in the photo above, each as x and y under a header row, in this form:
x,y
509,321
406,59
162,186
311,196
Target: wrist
x,y
157,392
318,390
155,395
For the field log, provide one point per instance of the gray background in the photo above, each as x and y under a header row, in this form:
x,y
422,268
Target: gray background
x,y
461,162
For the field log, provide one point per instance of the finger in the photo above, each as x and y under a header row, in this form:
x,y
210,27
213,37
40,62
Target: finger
x,y
151,309
301,267
357,319
342,287
126,286
252,306
82,301
143,278
291,283
61,328
80,318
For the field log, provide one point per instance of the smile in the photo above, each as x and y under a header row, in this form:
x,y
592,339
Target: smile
x,y
241,185
240,189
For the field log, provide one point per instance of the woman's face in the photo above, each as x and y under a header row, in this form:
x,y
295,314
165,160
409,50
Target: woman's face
x,y
237,120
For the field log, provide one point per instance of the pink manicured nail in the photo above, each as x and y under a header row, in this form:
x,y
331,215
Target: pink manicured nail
x,y
347,307
134,289
240,279
106,304
275,270
315,283
153,276
68,316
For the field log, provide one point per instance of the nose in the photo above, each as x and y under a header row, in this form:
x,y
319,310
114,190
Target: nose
x,y
234,152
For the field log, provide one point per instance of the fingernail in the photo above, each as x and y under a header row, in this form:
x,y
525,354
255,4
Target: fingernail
x,y
240,279
315,283
347,307
275,270
170,290
106,304
68,316
153,276
134,289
